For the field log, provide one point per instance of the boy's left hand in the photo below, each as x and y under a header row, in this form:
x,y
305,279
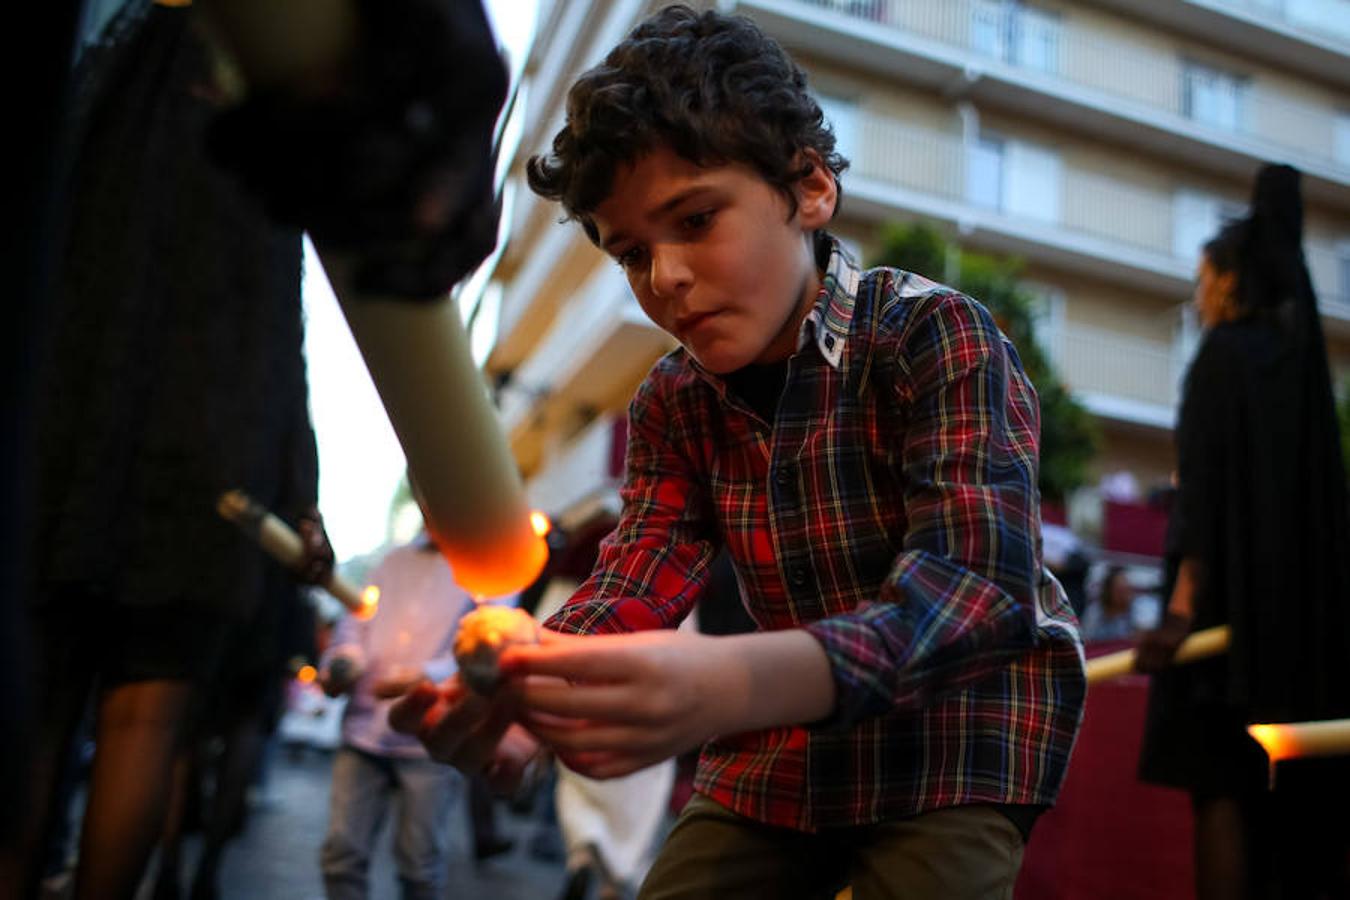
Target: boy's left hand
x,y
613,704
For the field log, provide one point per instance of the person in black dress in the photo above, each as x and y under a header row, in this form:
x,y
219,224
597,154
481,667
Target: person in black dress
x,y
1258,541
171,371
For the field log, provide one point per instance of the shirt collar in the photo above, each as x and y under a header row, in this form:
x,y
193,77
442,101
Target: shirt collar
x,y
830,317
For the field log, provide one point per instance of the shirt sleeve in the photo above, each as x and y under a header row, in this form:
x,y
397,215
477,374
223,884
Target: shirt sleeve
x,y
651,569
961,597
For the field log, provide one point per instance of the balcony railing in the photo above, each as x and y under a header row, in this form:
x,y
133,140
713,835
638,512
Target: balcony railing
x,y
1095,360
1026,197
581,471
1149,80
1327,19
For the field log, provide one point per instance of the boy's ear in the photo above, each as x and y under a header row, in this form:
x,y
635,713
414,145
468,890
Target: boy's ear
x,y
817,193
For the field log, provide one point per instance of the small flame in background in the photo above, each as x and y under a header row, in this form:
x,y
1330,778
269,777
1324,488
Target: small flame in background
x,y
540,523
370,602
1278,744
307,674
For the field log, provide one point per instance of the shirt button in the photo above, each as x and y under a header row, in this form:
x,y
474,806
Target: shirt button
x,y
783,477
798,576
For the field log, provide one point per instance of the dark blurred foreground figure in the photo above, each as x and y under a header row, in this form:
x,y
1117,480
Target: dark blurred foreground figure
x,y
171,334
1259,542
172,371
236,715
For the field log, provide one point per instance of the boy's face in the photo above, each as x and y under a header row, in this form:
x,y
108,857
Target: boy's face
x,y
713,257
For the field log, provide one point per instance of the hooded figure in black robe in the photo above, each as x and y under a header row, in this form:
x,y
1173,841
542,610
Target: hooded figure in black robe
x,y
1261,521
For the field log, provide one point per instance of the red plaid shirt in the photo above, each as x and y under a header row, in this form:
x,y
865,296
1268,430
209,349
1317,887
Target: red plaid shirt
x,y
891,510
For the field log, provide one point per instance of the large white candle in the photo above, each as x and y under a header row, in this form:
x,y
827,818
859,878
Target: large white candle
x,y
417,352
419,358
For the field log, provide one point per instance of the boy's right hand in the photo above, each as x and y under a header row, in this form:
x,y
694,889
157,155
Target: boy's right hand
x,y
468,731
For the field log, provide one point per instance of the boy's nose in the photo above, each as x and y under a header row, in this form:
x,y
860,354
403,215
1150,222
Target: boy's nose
x,y
670,272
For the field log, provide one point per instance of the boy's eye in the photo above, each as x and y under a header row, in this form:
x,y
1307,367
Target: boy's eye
x,y
629,258
698,220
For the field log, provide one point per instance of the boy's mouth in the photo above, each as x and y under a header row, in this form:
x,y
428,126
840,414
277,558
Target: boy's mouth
x,y
691,321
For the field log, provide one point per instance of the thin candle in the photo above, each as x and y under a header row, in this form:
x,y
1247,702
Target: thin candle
x,y
1200,645
1296,740
281,542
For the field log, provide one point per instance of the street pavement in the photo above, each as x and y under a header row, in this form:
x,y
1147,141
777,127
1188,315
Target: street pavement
x,y
277,857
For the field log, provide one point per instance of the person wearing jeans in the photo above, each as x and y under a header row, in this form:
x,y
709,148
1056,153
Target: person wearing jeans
x,y
374,660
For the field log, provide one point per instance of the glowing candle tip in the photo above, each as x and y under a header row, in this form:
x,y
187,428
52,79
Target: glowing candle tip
x,y
307,674
370,602
540,523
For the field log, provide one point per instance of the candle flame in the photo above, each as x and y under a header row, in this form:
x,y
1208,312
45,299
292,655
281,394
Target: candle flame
x,y
1274,739
540,523
307,674
370,602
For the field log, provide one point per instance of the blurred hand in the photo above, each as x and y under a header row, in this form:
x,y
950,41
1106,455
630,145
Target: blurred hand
x,y
316,566
392,686
1158,646
338,676
609,705
468,731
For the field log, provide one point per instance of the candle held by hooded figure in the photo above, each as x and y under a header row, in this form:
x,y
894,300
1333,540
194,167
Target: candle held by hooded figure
x,y
371,125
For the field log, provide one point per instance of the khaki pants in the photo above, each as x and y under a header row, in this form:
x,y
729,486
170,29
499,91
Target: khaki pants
x,y
963,853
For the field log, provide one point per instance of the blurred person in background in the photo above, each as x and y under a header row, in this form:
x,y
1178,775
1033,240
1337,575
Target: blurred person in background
x,y
409,639
1110,617
1259,540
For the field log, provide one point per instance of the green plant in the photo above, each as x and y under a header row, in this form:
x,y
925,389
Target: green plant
x,y
1069,434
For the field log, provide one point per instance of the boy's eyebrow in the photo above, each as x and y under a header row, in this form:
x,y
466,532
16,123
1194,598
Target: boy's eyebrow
x,y
664,207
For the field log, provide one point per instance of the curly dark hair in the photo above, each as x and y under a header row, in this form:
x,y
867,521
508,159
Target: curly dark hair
x,y
711,87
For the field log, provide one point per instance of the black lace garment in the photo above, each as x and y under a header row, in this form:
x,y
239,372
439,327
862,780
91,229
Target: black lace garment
x,y
174,369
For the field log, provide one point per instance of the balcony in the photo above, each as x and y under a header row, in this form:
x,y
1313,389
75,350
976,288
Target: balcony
x,y
1311,37
1035,64
581,480
1119,377
555,267
1018,199
590,361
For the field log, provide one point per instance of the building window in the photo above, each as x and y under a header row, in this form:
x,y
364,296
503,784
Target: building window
x,y
1197,217
859,9
1048,305
1014,33
1211,96
842,116
984,172
1014,177
1340,292
1327,16
1341,138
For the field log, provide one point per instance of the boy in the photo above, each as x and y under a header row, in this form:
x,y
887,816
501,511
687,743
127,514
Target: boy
x,y
864,445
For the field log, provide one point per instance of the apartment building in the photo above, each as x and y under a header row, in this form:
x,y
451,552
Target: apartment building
x,y
1100,141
